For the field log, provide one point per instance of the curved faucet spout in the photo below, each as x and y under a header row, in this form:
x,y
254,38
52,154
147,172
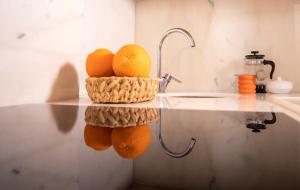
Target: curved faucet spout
x,y
164,81
187,35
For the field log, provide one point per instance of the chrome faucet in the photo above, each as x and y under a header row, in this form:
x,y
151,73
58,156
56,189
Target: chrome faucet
x,y
165,80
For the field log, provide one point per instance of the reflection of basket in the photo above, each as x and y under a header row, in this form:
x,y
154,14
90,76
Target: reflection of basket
x,y
119,117
121,89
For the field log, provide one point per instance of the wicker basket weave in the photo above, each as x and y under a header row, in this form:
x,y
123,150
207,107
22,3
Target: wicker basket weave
x,y
121,89
119,117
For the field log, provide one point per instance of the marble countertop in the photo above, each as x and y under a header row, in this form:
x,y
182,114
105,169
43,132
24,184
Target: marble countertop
x,y
80,141
211,101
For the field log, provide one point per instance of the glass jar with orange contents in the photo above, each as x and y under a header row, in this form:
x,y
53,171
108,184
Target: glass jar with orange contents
x,y
246,84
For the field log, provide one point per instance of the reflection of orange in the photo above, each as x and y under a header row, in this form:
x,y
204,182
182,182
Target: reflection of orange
x,y
99,138
131,142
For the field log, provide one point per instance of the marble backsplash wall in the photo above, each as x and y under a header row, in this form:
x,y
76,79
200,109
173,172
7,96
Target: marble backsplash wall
x,y
44,44
224,31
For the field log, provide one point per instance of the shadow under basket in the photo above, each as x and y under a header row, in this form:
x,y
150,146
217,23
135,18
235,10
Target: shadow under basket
x,y
121,89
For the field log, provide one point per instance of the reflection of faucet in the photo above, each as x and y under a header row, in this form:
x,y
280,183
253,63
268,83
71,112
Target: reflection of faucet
x,y
169,152
164,81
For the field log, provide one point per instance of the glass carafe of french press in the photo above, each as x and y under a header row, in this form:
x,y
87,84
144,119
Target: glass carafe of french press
x,y
258,60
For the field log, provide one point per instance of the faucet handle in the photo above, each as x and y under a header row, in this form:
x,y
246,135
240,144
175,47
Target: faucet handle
x,y
175,79
165,80
169,77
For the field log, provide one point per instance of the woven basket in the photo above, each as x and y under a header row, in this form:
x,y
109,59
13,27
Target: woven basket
x,y
119,117
121,89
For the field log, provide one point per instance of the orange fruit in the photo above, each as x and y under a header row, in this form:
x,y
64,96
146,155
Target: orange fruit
x,y
132,61
131,142
99,63
96,137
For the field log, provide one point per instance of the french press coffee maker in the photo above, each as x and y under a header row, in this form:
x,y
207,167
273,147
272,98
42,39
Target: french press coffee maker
x,y
257,59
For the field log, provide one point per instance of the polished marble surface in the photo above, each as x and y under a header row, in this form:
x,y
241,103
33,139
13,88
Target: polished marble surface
x,y
46,146
207,101
290,102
